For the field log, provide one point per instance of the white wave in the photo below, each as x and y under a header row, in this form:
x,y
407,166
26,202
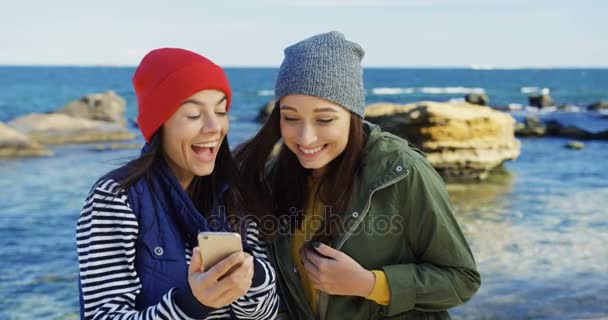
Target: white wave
x,y
548,109
451,90
531,109
528,90
392,91
483,67
515,106
266,93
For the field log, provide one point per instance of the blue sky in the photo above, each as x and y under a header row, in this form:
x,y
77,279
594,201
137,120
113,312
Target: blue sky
x,y
394,33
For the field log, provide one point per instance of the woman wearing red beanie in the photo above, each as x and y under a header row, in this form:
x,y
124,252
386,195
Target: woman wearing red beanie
x,y
137,233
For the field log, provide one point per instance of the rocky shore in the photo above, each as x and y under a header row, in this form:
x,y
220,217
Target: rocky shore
x,y
98,117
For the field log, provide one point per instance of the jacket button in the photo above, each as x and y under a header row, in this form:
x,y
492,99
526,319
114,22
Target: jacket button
x,y
355,214
159,251
399,168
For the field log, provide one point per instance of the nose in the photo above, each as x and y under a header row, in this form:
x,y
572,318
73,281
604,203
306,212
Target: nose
x,y
307,135
211,123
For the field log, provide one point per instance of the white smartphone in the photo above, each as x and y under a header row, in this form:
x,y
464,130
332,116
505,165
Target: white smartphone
x,y
215,246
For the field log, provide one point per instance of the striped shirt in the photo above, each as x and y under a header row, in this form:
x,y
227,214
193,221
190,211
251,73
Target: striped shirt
x,y
106,236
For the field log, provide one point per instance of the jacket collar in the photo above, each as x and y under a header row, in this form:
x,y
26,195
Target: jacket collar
x,y
385,158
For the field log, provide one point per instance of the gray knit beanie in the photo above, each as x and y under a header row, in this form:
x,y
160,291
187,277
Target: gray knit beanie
x,y
325,66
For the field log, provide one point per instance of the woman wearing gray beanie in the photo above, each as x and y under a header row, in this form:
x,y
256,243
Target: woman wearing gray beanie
x,y
363,226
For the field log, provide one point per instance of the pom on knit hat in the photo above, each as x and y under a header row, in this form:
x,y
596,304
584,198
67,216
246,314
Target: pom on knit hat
x,y
326,66
165,78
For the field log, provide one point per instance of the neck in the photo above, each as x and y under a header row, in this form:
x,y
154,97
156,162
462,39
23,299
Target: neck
x,y
184,178
318,173
185,181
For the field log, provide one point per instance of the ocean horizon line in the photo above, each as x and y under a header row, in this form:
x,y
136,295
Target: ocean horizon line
x,y
370,67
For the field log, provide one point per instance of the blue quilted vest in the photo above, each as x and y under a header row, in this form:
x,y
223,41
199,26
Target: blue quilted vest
x,y
167,220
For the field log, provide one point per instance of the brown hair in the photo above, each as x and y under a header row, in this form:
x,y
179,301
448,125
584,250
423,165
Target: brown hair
x,y
277,186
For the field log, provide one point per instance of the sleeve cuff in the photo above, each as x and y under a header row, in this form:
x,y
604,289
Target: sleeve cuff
x,y
381,293
187,303
402,284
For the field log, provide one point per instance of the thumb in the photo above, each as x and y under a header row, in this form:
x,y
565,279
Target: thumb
x,y
326,250
196,262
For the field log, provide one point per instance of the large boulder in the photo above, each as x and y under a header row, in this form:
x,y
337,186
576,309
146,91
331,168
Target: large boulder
x,y
105,106
540,100
477,98
600,105
16,144
56,128
462,141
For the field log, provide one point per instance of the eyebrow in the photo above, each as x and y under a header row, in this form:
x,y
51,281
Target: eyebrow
x,y
286,107
201,103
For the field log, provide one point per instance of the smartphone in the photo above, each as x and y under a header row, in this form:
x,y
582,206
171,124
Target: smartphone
x,y
215,246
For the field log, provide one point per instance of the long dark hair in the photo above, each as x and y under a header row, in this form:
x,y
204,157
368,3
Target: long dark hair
x,y
203,190
276,186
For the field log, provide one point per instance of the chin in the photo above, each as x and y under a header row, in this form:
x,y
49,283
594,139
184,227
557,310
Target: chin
x,y
204,171
312,165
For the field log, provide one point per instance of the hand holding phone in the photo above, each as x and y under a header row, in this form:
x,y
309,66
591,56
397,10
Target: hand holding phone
x,y
218,286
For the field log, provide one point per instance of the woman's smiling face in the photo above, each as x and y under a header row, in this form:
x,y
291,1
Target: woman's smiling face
x,y
194,133
314,129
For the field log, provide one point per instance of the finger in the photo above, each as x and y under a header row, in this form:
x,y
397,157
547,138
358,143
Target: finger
x,y
242,271
225,265
314,258
307,262
327,250
317,285
250,268
236,280
242,268
196,262
313,273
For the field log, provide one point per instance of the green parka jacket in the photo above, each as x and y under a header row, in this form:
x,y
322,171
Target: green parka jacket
x,y
400,221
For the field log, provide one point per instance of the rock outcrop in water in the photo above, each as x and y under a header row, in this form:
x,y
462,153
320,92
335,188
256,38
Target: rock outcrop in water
x,y
477,98
56,128
96,117
533,127
265,111
462,141
600,105
106,106
540,100
15,144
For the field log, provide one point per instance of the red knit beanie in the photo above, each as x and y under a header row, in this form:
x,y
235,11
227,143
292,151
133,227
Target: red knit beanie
x,y
165,78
